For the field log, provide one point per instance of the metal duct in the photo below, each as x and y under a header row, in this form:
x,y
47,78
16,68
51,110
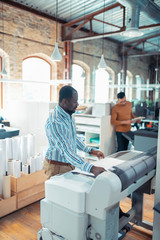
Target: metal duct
x,y
151,9
133,17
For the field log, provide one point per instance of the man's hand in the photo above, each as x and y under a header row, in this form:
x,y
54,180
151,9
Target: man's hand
x,y
138,121
97,170
126,122
98,154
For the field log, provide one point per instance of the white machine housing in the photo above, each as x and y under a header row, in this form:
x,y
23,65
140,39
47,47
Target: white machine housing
x,y
82,207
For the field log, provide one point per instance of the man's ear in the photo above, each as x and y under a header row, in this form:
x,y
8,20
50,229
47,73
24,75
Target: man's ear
x,y
64,102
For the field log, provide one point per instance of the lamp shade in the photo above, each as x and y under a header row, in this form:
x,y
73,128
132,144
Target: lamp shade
x,y
56,56
102,64
83,74
132,32
4,72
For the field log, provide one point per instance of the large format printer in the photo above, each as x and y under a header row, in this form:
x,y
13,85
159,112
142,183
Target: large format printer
x,y
78,206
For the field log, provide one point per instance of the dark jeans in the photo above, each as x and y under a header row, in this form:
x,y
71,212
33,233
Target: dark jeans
x,y
122,142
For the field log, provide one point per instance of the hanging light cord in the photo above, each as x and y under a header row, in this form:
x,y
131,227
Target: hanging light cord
x,y
56,17
3,27
84,19
103,29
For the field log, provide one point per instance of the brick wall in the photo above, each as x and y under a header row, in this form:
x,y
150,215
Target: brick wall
x,y
28,34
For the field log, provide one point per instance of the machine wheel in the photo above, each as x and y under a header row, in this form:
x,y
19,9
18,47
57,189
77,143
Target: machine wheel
x,y
39,235
46,234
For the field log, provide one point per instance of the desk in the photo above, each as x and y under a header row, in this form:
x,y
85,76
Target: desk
x,y
8,132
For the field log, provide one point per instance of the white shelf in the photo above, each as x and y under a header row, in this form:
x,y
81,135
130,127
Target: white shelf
x,y
98,128
93,145
90,129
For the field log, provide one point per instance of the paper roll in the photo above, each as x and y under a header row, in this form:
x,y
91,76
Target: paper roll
x,y
24,149
25,169
10,166
15,147
16,168
6,187
9,153
3,156
2,161
33,164
39,163
1,174
31,145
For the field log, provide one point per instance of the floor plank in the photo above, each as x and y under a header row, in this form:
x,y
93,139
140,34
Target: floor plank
x,y
25,223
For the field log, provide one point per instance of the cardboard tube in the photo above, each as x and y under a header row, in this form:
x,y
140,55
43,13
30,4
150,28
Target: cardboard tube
x,y
6,187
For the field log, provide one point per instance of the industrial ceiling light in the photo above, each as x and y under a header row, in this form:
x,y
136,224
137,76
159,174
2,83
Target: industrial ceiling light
x,y
102,64
132,29
56,56
132,32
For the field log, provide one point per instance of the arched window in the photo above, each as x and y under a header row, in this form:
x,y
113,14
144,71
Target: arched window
x,y
37,70
103,92
128,89
128,84
139,89
78,80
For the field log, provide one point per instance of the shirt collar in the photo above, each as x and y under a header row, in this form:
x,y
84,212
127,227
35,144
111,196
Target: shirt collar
x,y
63,113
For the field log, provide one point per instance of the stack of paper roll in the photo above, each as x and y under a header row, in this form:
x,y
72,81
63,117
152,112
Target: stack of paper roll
x,y
16,168
6,187
24,149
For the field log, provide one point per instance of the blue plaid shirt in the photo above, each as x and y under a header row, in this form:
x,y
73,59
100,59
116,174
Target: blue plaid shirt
x,y
63,140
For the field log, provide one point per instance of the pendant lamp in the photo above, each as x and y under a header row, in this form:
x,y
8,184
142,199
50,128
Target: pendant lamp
x,y
56,56
4,72
102,64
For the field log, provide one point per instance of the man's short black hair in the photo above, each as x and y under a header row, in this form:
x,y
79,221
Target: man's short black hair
x,y
121,95
66,92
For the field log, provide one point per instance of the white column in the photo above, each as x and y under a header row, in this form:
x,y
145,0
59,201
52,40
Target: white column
x,y
156,220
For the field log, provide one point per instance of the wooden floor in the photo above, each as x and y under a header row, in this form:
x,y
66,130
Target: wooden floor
x,y
25,223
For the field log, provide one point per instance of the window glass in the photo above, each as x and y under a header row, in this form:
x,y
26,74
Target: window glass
x,y
102,86
36,70
78,80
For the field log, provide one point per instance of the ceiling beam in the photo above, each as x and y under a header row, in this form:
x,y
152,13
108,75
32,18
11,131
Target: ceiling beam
x,y
142,39
85,19
91,15
94,36
144,54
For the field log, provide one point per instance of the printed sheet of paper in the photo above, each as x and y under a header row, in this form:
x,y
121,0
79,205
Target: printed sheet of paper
x,y
106,163
137,118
